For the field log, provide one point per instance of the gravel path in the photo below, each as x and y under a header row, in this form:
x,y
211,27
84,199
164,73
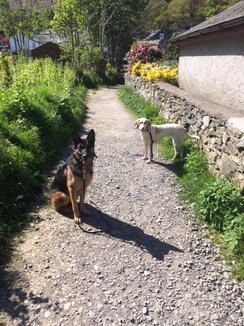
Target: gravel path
x,y
153,266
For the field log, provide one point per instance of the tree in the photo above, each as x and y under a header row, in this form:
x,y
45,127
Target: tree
x,y
181,14
103,23
148,18
178,15
213,7
20,19
120,28
68,21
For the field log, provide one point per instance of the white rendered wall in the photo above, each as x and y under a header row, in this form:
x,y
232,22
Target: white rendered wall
x,y
214,68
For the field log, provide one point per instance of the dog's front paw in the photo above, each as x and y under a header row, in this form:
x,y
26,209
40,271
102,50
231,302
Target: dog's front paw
x,y
149,161
145,157
77,220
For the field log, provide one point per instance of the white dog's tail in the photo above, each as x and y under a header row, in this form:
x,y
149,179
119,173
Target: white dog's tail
x,y
194,137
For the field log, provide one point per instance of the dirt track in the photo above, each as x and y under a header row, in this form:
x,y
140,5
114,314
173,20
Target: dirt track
x,y
152,266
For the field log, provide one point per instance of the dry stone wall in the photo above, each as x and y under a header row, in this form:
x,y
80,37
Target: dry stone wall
x,y
222,143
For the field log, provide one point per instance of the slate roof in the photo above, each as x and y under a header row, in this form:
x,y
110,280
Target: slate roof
x,y
153,35
230,17
47,36
48,49
31,3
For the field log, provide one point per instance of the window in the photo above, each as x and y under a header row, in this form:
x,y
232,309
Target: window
x,y
161,36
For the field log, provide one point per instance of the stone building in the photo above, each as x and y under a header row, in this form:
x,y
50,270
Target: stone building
x,y
211,60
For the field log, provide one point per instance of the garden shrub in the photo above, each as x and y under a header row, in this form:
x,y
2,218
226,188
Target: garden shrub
x,y
144,52
91,80
92,60
146,60
113,77
5,74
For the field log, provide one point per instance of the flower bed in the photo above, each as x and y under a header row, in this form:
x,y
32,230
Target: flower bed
x,y
154,72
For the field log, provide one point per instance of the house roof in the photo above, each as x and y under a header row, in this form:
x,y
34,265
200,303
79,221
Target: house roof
x,y
228,18
46,36
48,49
153,42
153,35
31,4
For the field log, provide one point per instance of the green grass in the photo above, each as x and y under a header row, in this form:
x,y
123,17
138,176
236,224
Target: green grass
x,y
217,202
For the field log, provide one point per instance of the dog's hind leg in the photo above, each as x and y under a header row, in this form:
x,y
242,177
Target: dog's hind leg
x,y
178,147
59,200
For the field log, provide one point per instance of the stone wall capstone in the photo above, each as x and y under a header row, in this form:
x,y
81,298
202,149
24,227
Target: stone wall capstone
x,y
222,143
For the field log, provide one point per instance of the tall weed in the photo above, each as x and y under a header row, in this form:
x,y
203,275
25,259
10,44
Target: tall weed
x,y
219,202
221,206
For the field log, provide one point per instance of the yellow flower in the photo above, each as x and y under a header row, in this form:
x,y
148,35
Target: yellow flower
x,y
137,69
154,72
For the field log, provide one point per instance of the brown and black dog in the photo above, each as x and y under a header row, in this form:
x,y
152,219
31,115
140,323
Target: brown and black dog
x,y
74,176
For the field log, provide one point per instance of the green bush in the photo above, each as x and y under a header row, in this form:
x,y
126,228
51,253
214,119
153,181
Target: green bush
x,y
195,161
194,174
113,77
234,234
5,74
91,80
219,203
173,51
92,60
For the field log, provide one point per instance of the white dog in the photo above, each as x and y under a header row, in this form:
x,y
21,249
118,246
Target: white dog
x,y
153,133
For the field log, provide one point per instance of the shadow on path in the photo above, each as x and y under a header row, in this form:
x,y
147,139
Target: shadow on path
x,y
176,167
14,301
128,233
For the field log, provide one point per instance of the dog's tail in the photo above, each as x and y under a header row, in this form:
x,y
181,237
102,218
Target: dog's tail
x,y
59,200
194,137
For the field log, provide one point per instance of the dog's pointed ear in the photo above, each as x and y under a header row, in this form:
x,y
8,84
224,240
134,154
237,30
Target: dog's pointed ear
x,y
91,138
76,139
136,123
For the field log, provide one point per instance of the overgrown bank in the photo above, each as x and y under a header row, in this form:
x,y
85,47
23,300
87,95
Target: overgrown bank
x,y
41,103
39,107
217,202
